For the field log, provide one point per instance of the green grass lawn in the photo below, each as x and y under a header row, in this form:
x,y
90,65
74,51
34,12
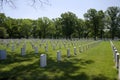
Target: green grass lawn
x,y
94,64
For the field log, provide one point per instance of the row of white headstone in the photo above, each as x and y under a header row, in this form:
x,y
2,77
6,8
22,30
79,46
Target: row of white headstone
x,y
115,55
44,44
116,58
43,57
23,50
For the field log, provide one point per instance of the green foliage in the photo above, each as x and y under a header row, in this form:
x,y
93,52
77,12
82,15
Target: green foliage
x,y
46,27
26,28
114,22
96,20
68,21
2,19
97,24
101,23
3,33
79,28
58,27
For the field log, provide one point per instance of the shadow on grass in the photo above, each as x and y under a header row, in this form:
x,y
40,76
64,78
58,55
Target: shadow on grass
x,y
14,57
100,77
64,70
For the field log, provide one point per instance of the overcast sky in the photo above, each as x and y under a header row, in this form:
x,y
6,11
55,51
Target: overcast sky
x,y
56,7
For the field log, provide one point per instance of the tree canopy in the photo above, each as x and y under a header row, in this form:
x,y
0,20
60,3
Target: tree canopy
x,y
97,24
114,15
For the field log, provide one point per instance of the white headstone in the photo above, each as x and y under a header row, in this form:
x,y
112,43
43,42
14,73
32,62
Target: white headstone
x,y
75,52
43,61
23,51
2,54
12,48
117,60
58,56
119,71
36,49
115,52
68,52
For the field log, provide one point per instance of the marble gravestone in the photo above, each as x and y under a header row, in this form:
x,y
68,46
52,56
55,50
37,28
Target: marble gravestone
x,y
58,56
75,52
68,52
12,48
115,52
36,50
43,60
117,60
2,54
23,51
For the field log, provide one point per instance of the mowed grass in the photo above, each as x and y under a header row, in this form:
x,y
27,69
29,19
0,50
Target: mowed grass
x,y
94,64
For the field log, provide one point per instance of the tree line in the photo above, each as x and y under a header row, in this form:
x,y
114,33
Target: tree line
x,y
96,24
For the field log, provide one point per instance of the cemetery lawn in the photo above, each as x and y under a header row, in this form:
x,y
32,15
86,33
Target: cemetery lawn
x,y
94,64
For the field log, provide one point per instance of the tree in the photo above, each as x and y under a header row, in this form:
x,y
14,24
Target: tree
x,y
91,15
113,13
97,24
87,29
25,27
44,25
8,27
79,28
96,19
58,27
101,23
3,33
34,29
2,19
68,21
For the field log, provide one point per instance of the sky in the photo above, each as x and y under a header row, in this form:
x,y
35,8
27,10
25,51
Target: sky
x,y
54,8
